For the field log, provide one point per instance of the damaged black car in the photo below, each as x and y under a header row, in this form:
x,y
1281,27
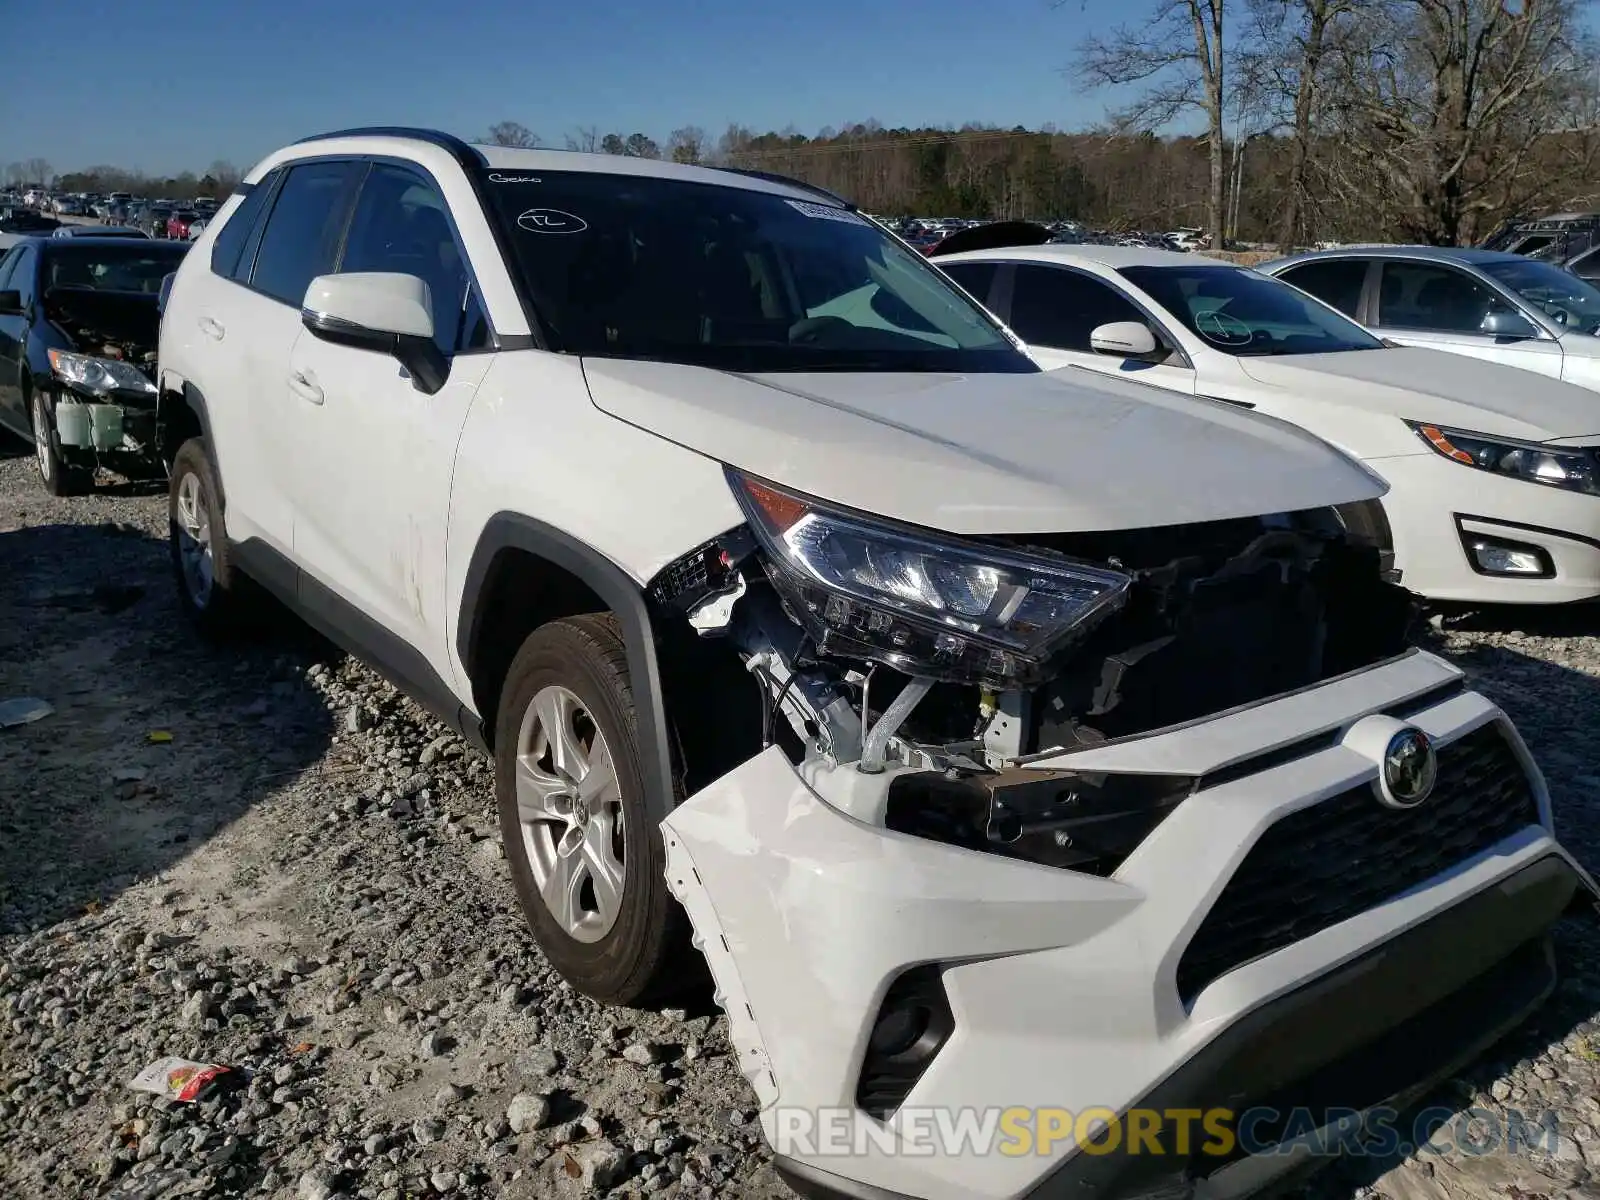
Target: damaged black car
x,y
79,323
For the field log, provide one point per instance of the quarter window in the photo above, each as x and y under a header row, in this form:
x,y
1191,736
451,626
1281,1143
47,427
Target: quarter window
x,y
1059,309
300,235
1419,295
230,239
400,224
7,264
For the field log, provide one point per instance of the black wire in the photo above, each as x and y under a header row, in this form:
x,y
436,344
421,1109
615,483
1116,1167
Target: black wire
x,y
769,710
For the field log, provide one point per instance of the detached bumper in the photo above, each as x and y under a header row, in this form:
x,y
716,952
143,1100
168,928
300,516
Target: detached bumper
x,y
1219,968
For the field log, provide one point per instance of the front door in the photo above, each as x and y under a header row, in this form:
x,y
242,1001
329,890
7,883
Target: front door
x,y
1439,307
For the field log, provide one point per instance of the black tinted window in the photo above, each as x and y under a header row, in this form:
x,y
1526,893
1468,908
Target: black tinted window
x,y
399,224
732,277
1058,308
976,277
8,262
298,242
236,230
22,274
1417,295
1337,282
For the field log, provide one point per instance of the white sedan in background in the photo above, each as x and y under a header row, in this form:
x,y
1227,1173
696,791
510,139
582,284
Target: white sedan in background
x,y
1494,472
1488,304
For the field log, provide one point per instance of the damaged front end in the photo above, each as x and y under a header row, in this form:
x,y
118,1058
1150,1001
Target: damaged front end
x,y
936,666
1031,822
105,387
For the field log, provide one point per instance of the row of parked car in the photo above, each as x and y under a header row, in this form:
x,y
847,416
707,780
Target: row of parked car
x,y
1000,661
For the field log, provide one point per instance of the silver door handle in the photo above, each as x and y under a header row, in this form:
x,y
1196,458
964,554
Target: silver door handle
x,y
305,387
212,328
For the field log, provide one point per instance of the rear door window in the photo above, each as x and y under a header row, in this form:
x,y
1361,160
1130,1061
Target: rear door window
x,y
1337,282
299,240
976,277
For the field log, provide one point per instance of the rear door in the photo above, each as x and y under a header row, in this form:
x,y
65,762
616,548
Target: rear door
x,y
1440,307
239,331
1055,309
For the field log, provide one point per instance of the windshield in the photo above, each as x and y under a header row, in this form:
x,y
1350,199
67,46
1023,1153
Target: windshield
x,y
1238,311
1559,294
124,266
628,266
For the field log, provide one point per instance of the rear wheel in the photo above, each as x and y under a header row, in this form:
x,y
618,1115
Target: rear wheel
x,y
58,477
213,593
587,860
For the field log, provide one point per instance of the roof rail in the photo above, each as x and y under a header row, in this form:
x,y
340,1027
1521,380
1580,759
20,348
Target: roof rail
x,y
461,151
802,185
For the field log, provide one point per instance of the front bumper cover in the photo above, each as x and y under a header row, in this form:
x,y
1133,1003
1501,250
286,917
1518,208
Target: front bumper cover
x,y
1063,986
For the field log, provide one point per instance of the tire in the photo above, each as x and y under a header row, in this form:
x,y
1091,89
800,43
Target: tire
x,y
59,478
212,592
621,950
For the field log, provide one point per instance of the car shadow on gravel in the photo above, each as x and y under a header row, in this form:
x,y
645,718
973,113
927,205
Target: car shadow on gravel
x,y
156,740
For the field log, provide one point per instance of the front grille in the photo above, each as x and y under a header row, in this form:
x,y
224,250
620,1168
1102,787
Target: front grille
x,y
1334,860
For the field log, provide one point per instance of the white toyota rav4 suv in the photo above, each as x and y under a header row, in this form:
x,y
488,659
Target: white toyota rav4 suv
x,y
1009,741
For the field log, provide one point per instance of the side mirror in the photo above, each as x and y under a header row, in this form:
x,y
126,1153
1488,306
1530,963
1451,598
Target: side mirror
x,y
10,304
1503,322
1123,339
382,311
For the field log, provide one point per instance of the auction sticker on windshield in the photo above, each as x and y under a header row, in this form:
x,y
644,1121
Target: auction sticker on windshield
x,y
827,212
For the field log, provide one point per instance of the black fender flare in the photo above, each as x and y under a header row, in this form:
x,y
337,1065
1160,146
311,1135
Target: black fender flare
x,y
190,396
625,599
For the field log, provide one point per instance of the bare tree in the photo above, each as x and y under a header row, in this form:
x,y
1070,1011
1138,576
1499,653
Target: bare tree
x,y
512,133
585,138
1444,109
687,145
226,175
15,174
38,170
1178,55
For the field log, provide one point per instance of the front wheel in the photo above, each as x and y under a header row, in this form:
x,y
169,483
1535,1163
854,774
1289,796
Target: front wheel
x,y
586,857
59,477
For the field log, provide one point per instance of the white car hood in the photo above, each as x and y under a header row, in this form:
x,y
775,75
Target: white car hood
x,y
1433,385
977,454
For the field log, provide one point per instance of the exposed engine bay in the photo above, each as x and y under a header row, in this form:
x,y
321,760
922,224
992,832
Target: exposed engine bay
x,y
106,398
1153,628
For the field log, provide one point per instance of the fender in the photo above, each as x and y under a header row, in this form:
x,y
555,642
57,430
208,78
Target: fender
x,y
620,593
171,385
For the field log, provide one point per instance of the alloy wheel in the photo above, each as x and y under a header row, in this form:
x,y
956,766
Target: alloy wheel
x,y
194,540
570,811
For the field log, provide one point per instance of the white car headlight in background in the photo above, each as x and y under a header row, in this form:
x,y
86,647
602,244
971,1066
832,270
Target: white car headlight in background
x,y
919,601
99,376
1576,470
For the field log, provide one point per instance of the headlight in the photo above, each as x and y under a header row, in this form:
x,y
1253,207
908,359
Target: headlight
x,y
99,376
918,601
1575,470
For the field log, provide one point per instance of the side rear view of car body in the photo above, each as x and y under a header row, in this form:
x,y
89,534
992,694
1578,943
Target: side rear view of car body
x,y
1002,741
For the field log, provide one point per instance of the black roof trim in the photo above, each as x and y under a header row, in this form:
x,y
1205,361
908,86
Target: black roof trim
x,y
461,151
787,181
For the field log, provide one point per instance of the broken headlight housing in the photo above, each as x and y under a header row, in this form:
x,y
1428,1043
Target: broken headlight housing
x,y
918,601
99,376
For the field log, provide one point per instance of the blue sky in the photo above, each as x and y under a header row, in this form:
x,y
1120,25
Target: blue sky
x,y
186,84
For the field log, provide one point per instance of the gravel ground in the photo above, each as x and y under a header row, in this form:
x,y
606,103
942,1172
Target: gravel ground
x,y
267,858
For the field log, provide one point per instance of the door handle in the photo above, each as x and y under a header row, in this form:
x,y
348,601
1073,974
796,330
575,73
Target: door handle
x,y
302,385
212,328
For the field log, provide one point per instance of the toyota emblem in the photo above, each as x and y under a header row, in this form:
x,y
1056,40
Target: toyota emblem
x,y
1409,771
